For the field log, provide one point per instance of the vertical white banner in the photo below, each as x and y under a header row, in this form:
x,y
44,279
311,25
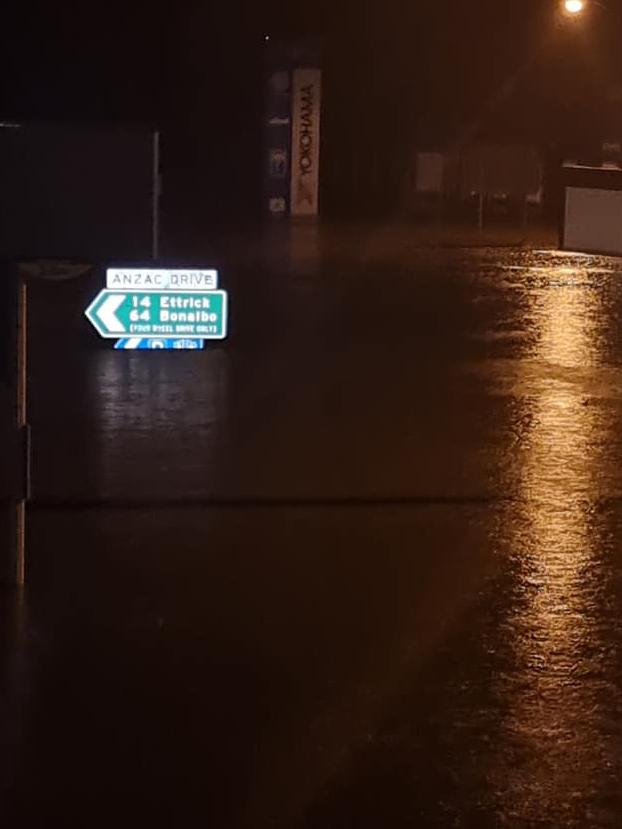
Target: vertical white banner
x,y
307,100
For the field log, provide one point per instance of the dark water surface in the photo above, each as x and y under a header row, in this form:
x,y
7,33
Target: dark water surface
x,y
359,566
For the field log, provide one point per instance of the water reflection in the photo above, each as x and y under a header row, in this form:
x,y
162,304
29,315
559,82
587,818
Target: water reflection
x,y
159,421
555,747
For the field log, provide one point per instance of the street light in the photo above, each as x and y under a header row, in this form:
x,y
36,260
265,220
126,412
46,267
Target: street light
x,y
580,9
574,7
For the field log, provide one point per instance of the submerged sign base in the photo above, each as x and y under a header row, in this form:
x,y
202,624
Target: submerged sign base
x,y
158,344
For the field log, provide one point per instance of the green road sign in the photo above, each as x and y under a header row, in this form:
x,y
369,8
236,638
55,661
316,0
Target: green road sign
x,y
201,314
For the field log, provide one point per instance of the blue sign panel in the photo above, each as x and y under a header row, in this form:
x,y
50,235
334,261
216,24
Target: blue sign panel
x,y
158,344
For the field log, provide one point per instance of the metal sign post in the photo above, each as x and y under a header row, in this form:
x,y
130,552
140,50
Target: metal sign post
x,y
14,449
19,569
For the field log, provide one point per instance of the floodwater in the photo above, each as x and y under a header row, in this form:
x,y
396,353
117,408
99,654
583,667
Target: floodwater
x,y
359,566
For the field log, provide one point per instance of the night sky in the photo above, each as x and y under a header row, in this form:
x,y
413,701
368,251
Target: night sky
x,y
397,73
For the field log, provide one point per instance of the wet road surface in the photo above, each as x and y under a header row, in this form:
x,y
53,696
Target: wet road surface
x,y
360,566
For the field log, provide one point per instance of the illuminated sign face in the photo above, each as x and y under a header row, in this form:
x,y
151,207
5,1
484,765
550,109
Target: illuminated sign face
x,y
158,279
144,314
160,308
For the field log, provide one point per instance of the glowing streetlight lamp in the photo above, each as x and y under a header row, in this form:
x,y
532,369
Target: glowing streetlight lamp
x,y
574,7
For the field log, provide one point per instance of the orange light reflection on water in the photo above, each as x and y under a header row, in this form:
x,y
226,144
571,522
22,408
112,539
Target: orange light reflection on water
x,y
550,693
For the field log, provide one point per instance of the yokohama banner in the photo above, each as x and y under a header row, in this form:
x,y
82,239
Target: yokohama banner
x,y
305,166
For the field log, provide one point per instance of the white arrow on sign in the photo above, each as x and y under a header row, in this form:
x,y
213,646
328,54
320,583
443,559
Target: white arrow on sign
x,y
107,312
